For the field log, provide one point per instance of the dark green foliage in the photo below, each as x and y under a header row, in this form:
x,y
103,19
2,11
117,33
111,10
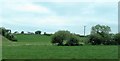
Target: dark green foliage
x,y
22,32
11,37
57,40
95,39
61,36
3,31
100,35
7,33
73,41
117,38
38,32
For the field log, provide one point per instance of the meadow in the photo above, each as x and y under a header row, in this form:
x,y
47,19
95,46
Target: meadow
x,y
40,47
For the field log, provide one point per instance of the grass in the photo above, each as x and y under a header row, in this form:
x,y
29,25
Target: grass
x,y
39,47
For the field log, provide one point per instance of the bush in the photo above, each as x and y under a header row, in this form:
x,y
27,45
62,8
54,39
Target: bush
x,y
95,39
73,41
11,37
59,36
57,40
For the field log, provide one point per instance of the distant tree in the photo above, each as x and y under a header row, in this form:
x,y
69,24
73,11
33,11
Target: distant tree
x,y
22,32
100,34
45,33
16,32
37,32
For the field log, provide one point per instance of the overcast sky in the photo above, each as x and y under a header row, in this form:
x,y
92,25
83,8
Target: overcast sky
x,y
51,16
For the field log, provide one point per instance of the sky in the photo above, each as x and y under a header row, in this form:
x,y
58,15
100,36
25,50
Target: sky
x,y
53,15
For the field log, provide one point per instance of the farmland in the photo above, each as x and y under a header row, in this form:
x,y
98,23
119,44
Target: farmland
x,y
40,47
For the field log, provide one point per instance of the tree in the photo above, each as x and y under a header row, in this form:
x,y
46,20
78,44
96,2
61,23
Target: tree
x,y
37,32
22,32
59,36
16,32
45,33
100,34
117,38
7,33
100,29
2,31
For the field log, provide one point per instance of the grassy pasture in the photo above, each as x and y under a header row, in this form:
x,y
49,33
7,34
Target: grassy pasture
x,y
39,47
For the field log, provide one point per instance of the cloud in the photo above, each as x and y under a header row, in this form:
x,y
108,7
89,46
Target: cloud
x,y
29,15
31,8
25,6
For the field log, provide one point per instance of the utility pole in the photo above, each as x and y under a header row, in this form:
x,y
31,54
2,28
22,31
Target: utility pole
x,y
84,30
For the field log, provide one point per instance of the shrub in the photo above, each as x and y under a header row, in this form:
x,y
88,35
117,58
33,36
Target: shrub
x,y
59,36
95,39
11,37
73,41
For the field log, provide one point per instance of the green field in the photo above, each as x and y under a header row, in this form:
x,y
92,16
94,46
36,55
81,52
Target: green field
x,y
39,47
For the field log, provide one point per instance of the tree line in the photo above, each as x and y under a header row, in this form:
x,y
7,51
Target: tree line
x,y
38,32
100,35
11,36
